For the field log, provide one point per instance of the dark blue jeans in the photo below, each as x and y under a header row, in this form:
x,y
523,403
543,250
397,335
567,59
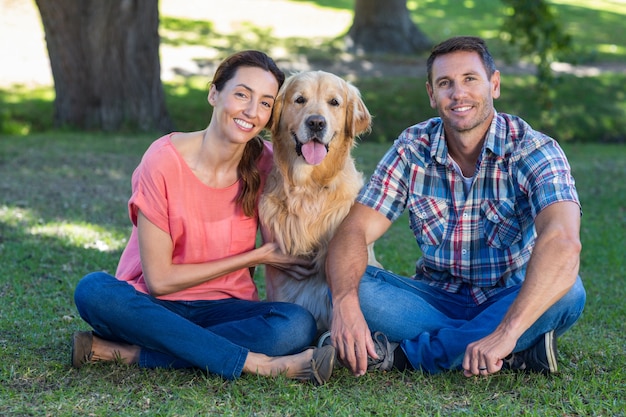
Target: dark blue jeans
x,y
435,326
215,336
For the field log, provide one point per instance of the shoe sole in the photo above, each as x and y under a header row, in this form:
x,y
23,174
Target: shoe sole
x,y
550,342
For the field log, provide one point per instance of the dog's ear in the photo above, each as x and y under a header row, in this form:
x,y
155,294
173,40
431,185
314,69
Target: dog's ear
x,y
358,118
278,108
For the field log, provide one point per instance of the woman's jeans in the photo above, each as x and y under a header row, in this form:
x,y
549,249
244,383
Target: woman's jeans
x,y
435,326
215,335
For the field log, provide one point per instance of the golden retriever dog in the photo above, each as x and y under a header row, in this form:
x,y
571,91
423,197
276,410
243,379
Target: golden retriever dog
x,y
314,181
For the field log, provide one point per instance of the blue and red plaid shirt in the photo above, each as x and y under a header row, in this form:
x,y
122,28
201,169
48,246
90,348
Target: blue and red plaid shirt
x,y
482,238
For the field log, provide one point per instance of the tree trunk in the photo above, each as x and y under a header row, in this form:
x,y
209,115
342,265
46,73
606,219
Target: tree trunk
x,y
105,63
385,27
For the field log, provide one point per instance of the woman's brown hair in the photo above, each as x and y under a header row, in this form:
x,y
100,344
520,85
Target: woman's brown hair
x,y
247,169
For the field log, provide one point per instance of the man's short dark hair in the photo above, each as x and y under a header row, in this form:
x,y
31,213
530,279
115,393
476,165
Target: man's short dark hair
x,y
461,43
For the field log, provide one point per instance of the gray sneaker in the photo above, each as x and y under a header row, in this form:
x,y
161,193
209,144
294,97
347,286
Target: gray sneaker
x,y
384,350
324,339
540,358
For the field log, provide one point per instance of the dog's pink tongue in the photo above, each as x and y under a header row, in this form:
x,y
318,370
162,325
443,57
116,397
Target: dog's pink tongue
x,y
314,152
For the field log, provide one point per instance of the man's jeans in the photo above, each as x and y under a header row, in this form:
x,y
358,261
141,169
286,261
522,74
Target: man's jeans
x,y
215,336
435,326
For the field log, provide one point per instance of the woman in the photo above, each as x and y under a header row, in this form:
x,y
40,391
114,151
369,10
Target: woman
x,y
183,294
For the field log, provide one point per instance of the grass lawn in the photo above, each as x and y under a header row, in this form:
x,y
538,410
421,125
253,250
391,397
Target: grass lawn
x,y
63,214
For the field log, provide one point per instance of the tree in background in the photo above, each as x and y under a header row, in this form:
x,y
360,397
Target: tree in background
x,y
532,28
104,55
105,63
385,27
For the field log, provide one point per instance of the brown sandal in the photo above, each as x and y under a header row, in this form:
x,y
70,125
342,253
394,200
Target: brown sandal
x,y
81,348
321,367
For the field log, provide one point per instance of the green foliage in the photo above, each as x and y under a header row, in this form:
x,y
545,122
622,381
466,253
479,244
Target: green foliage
x,y
598,115
533,29
396,101
596,26
63,214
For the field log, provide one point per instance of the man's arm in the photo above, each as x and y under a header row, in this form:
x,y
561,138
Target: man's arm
x,y
551,272
345,265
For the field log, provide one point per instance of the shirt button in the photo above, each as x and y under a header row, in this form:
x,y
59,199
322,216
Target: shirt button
x,y
464,251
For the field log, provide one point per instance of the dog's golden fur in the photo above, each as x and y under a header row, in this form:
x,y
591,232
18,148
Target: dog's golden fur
x,y
303,202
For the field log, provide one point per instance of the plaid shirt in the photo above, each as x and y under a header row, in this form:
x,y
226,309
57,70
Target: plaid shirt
x,y
482,238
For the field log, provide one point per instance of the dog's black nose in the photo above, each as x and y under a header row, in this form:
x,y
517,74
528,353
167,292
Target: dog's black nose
x,y
316,123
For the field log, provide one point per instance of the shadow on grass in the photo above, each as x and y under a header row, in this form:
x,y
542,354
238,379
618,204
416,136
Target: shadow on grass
x,y
39,274
25,110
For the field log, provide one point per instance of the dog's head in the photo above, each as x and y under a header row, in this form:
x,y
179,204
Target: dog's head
x,y
317,114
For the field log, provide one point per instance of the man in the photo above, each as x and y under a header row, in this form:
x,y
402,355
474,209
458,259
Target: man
x,y
495,212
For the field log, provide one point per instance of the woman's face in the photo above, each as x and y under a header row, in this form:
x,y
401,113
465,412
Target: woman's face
x,y
243,107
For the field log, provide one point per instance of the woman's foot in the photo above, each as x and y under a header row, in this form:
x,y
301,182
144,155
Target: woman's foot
x,y
320,366
314,365
89,348
81,348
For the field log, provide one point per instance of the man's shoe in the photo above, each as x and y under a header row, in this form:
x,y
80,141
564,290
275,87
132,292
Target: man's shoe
x,y
324,339
81,348
384,350
540,358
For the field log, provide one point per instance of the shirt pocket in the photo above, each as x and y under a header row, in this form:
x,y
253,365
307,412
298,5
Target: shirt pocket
x,y
501,227
429,219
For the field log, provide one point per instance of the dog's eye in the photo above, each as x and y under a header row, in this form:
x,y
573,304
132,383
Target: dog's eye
x,y
300,100
334,102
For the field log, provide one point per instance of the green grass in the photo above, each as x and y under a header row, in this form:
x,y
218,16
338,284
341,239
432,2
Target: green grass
x,y
63,214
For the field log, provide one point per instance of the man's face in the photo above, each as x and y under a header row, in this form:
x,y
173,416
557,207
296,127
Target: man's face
x,y
462,92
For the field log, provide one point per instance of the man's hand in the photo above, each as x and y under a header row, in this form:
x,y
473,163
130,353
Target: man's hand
x,y
345,265
484,356
351,336
551,272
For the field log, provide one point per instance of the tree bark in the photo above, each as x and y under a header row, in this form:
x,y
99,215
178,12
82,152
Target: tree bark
x,y
385,27
104,56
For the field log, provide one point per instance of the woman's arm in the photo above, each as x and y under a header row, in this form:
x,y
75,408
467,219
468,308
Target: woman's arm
x,y
164,277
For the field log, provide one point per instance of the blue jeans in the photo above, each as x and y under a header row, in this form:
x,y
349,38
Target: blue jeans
x,y
215,335
434,326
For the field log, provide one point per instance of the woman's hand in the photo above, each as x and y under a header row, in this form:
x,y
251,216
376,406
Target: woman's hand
x,y
296,267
